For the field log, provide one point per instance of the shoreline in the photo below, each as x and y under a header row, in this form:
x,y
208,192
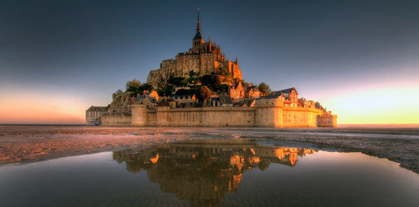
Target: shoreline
x,y
23,144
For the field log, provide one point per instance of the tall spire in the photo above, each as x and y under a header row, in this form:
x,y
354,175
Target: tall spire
x,y
198,26
198,35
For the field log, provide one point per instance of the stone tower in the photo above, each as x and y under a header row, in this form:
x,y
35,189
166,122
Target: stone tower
x,y
203,58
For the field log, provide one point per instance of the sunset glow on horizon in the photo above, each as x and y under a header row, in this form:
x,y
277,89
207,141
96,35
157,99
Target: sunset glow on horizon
x,y
359,60
386,106
40,112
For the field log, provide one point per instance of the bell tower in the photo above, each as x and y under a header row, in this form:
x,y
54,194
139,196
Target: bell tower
x,y
198,40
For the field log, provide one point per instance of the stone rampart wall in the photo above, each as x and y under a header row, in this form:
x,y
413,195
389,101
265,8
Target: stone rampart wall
x,y
270,113
299,117
207,116
327,121
116,120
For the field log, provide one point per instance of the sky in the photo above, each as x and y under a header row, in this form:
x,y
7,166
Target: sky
x,y
359,59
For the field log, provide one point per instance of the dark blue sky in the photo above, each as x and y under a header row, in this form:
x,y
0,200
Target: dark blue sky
x,y
83,51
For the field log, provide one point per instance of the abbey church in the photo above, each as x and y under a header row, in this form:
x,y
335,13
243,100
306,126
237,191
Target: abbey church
x,y
203,58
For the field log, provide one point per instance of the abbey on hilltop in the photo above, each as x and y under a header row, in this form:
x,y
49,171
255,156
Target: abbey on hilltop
x,y
203,58
201,88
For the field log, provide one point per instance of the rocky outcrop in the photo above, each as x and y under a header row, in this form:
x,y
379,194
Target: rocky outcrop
x,y
121,103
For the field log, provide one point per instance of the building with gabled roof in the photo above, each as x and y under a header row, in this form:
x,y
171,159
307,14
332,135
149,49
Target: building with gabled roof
x,y
290,95
149,101
225,100
236,91
94,113
184,100
253,92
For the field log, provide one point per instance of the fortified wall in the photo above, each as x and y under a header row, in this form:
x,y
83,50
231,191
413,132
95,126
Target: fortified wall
x,y
327,121
116,119
266,113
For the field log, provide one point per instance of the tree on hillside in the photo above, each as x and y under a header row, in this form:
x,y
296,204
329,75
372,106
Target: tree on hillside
x,y
264,88
136,87
132,85
224,87
212,81
146,86
206,80
165,91
176,81
192,73
195,90
216,82
205,93
193,77
223,71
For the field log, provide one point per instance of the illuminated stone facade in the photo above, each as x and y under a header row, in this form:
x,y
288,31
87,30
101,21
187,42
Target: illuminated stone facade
x,y
203,58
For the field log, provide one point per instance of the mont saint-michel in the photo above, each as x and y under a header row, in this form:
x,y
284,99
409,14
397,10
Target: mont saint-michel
x,y
219,107
200,87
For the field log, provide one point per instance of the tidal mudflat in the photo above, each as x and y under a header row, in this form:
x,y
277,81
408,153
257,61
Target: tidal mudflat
x,y
210,172
127,166
23,144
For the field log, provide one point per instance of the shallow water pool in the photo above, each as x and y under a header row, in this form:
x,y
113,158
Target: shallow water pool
x,y
210,173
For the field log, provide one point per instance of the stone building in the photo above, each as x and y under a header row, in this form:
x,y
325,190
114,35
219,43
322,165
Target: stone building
x,y
253,92
149,101
184,100
290,95
221,101
203,58
236,91
306,103
94,113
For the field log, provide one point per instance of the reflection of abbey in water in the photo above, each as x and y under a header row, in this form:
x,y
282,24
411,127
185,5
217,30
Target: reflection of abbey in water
x,y
203,171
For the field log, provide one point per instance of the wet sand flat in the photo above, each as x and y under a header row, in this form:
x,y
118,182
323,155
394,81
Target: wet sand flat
x,y
20,144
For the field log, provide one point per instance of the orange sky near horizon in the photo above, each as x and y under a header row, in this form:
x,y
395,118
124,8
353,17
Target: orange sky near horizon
x,y
389,105
48,110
